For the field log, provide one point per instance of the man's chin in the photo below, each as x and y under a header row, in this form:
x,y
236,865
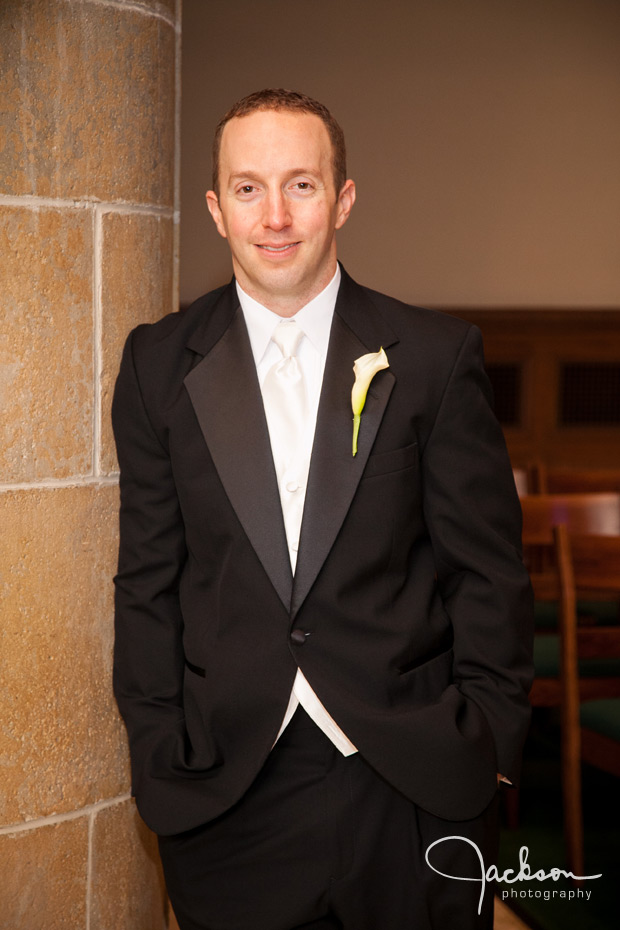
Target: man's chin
x,y
276,283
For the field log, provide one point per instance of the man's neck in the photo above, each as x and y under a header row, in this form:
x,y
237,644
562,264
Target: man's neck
x,y
266,303
287,305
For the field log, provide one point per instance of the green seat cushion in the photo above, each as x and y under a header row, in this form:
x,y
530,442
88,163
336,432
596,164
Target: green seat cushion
x,y
546,612
547,660
547,655
545,615
602,716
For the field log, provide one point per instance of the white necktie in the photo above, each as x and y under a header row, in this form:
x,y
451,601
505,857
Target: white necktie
x,y
286,408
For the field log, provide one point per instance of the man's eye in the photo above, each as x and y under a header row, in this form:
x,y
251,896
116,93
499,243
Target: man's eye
x,y
303,185
246,189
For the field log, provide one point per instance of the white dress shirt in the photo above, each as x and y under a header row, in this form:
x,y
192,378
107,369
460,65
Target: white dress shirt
x,y
315,320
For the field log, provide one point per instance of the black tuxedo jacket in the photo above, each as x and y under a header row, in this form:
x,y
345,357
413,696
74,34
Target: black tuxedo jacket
x,y
409,588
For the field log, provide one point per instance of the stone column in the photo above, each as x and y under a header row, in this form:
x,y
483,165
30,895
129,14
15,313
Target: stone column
x,y
88,247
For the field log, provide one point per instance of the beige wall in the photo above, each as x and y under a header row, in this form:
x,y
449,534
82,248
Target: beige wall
x,y
88,229
483,135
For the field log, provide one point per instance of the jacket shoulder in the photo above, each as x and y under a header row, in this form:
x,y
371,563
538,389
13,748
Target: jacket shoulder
x,y
175,328
421,320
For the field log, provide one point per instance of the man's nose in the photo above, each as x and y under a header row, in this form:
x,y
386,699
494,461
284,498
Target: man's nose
x,y
277,210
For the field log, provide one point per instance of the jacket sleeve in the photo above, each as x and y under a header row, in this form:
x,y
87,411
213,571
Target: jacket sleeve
x,y
474,520
148,651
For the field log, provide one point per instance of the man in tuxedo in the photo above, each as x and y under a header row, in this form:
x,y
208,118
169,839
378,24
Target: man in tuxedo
x,y
322,646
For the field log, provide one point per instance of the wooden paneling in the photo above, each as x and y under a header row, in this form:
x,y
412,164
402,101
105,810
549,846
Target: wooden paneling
x,y
534,359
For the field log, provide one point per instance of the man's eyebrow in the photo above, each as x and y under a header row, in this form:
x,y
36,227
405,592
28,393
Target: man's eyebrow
x,y
242,175
295,171
253,176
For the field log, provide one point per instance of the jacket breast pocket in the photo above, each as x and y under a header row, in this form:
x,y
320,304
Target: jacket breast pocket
x,y
383,463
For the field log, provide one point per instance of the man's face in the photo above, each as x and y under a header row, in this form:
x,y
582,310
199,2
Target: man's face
x,y
278,207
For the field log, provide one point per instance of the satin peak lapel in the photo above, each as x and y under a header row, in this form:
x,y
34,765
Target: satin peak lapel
x,y
334,471
226,396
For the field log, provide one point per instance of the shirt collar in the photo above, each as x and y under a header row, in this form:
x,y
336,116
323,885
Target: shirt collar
x,y
315,318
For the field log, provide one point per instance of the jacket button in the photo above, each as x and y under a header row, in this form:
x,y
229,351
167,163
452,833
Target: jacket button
x,y
298,637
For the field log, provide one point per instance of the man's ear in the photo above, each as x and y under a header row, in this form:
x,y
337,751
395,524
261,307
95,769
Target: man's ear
x,y
346,199
214,209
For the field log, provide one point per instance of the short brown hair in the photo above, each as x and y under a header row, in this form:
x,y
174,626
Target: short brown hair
x,y
279,99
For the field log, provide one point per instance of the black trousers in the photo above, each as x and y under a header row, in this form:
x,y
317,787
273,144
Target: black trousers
x,y
322,841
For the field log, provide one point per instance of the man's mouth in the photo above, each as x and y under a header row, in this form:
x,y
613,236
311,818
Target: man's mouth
x,y
278,248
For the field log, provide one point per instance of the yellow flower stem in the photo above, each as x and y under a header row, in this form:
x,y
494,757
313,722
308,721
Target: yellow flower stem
x,y
356,429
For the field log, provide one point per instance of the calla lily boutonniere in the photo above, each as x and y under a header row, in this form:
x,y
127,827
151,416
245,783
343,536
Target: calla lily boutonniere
x,y
364,369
